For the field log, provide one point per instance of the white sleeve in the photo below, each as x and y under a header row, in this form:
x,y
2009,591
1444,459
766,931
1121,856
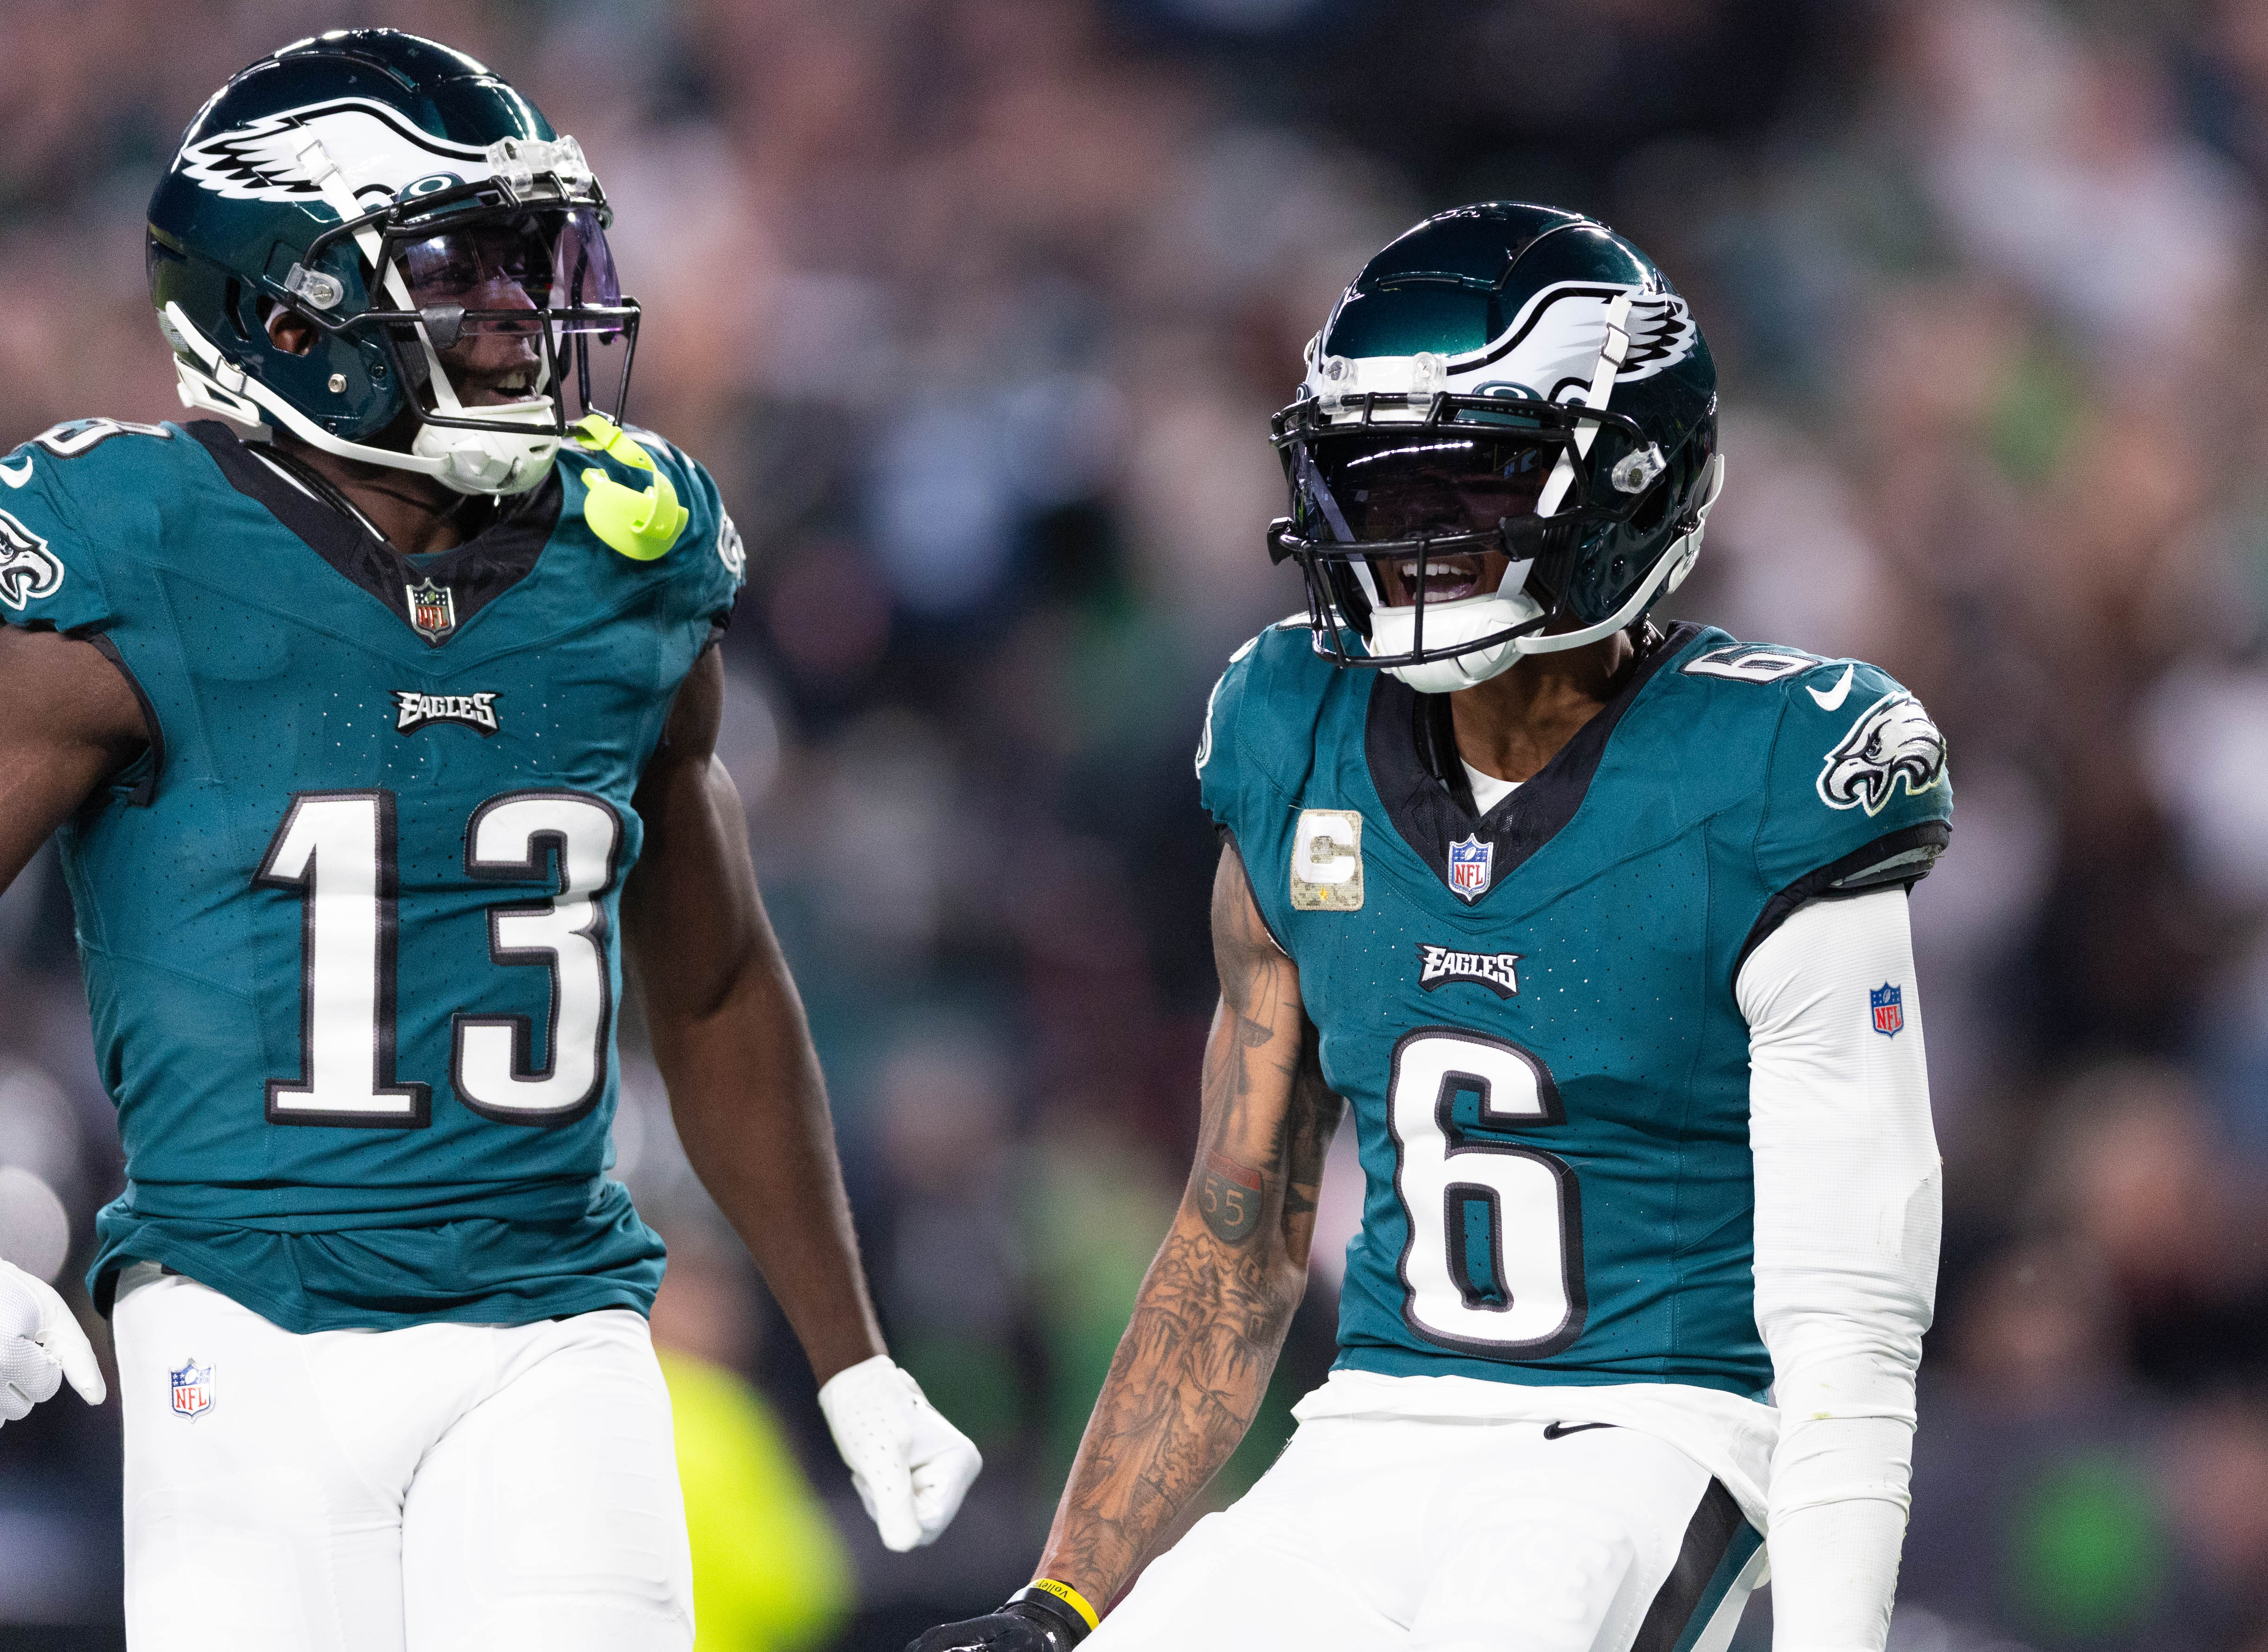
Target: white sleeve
x,y
1849,1201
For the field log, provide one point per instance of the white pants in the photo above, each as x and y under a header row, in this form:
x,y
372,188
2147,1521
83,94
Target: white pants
x,y
430,1489
1425,1535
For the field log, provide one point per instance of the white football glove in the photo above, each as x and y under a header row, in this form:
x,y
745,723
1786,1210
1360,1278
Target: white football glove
x,y
910,1467
40,1344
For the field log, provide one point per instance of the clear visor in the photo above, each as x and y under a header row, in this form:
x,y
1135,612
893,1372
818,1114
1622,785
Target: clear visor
x,y
500,273
511,306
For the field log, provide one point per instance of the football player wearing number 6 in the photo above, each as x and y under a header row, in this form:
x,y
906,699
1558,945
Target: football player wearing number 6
x,y
1599,931
381,754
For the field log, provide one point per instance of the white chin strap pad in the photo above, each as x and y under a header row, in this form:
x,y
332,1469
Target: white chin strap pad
x,y
1467,619
493,461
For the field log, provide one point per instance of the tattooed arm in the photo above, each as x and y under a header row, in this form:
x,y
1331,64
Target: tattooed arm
x,y
1210,1318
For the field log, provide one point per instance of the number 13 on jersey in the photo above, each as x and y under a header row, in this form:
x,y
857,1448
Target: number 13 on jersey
x,y
338,852
1493,1265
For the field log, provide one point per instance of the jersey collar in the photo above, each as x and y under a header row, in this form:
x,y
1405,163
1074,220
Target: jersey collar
x,y
474,574
1412,753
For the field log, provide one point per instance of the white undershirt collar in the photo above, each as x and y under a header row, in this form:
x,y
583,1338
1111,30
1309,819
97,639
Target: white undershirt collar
x,y
1488,790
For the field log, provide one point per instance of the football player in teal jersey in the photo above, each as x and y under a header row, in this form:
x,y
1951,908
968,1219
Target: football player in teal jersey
x,y
379,751
1599,932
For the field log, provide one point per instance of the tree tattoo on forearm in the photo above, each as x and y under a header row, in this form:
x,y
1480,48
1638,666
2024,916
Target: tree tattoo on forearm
x,y
1210,1320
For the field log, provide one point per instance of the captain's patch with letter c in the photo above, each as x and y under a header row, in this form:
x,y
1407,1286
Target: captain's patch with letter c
x,y
1327,861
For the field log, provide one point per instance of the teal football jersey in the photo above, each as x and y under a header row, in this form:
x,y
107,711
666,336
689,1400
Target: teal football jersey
x,y
349,927
1531,1012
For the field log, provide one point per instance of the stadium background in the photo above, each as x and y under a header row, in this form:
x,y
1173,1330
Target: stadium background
x,y
978,308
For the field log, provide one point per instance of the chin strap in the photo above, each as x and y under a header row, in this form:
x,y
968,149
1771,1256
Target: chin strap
x,y
1614,345
1668,575
643,526
331,185
208,380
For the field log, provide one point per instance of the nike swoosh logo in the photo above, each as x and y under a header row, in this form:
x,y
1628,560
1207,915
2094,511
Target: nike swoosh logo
x,y
1835,696
16,478
1561,1431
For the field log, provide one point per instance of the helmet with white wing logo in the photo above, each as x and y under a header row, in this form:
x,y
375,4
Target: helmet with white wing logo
x,y
374,243
1506,444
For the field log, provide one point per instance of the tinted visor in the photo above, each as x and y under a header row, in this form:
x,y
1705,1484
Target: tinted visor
x,y
1424,483
499,270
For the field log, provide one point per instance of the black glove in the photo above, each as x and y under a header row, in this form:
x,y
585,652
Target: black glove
x,y
1031,1621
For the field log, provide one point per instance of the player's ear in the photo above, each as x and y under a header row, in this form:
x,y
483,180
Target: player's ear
x,y
289,331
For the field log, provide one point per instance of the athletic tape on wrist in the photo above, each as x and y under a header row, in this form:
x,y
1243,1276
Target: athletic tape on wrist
x,y
1066,1594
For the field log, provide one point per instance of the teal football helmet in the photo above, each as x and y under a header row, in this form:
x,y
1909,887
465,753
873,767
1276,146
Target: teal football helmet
x,y
1506,444
440,251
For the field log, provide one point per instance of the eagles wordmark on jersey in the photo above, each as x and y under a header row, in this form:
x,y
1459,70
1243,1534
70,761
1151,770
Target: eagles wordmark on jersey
x,y
1546,1066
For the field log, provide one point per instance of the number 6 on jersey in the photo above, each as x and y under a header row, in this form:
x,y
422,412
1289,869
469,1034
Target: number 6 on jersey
x,y
1494,1262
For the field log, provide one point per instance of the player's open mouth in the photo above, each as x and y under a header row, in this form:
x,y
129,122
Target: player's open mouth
x,y
1447,578
519,386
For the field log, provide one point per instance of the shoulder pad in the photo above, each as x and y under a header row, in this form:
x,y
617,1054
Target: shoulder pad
x,y
1259,720
66,497
1859,783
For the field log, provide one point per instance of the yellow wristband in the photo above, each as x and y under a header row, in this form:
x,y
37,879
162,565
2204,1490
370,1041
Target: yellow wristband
x,y
1070,1597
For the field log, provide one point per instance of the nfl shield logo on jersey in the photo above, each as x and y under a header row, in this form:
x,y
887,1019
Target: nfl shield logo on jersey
x,y
192,1394
1468,866
432,610
1889,1008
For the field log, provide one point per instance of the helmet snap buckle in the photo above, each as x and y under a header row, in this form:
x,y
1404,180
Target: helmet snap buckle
x,y
312,287
1634,472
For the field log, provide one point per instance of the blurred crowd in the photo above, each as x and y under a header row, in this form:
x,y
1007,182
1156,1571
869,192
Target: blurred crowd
x,y
977,309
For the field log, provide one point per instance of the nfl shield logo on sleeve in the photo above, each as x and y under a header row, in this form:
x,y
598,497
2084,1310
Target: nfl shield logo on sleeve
x,y
1468,866
193,1389
1889,1008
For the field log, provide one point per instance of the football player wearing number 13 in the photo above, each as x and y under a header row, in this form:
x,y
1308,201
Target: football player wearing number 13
x,y
380,752
1599,931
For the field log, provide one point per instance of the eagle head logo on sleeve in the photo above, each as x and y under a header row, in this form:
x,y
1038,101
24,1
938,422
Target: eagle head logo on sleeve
x,y
1893,742
28,570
